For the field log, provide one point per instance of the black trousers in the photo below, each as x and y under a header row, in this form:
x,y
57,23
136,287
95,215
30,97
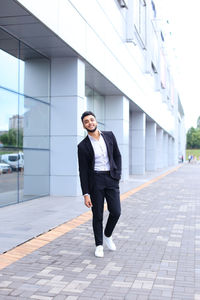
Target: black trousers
x,y
104,187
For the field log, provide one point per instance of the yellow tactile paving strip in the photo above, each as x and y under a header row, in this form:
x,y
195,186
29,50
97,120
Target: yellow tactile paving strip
x,y
22,250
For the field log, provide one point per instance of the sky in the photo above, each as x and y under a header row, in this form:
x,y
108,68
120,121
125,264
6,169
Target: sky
x,y
8,79
184,23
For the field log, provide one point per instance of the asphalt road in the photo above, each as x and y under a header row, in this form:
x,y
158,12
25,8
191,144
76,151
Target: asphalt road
x,y
10,182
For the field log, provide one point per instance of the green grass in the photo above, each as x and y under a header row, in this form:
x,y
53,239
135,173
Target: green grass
x,y
194,152
7,152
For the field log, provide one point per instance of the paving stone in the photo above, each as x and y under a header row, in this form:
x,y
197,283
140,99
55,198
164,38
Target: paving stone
x,y
9,298
5,283
157,257
16,292
5,291
40,297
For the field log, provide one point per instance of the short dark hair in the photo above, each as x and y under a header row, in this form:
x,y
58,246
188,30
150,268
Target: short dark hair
x,y
87,113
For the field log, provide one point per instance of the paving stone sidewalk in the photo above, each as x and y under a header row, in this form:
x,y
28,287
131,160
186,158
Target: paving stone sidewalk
x,y
157,257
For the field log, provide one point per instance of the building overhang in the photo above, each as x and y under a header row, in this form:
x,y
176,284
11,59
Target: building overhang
x,y
20,23
16,20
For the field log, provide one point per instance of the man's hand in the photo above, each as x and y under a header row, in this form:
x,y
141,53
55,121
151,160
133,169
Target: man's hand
x,y
88,201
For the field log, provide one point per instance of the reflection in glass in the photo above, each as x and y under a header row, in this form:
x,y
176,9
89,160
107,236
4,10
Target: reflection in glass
x,y
99,105
9,118
35,116
9,75
34,177
89,94
96,104
24,122
8,178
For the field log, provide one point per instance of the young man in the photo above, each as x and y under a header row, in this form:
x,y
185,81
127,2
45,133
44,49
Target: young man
x,y
100,171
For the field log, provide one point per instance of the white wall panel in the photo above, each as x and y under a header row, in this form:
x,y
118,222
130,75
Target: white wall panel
x,y
93,35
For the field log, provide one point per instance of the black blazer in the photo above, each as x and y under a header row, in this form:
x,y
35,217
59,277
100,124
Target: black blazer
x,y
86,160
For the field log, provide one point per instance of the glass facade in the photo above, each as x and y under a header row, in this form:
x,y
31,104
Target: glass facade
x,y
24,121
96,103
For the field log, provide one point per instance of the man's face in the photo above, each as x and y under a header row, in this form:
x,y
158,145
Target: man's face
x,y
90,123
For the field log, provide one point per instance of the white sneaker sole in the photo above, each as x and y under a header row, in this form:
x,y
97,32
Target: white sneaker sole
x,y
108,245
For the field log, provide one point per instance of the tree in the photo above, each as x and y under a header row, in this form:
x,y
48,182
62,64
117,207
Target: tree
x,y
13,138
189,137
193,136
198,122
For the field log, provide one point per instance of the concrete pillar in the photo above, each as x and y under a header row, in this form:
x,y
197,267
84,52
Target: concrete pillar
x,y
150,156
137,142
174,152
159,148
165,150
67,105
117,120
170,151
36,127
182,139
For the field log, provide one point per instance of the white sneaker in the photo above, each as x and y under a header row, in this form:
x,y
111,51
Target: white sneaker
x,y
109,243
99,251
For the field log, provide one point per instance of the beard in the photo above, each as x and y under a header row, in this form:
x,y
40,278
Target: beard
x,y
91,130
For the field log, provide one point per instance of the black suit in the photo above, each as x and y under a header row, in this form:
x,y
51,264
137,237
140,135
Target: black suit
x,y
99,185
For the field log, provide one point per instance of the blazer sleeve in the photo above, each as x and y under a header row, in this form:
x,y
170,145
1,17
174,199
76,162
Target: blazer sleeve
x,y
83,170
116,154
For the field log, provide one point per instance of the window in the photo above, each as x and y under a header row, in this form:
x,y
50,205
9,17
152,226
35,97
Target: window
x,y
154,48
123,3
172,94
13,158
163,70
140,20
24,121
136,22
96,103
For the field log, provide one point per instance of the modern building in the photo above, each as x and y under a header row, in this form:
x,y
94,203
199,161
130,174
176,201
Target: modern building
x,y
61,57
16,122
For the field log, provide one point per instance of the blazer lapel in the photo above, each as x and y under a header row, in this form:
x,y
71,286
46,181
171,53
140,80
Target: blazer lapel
x,y
90,149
